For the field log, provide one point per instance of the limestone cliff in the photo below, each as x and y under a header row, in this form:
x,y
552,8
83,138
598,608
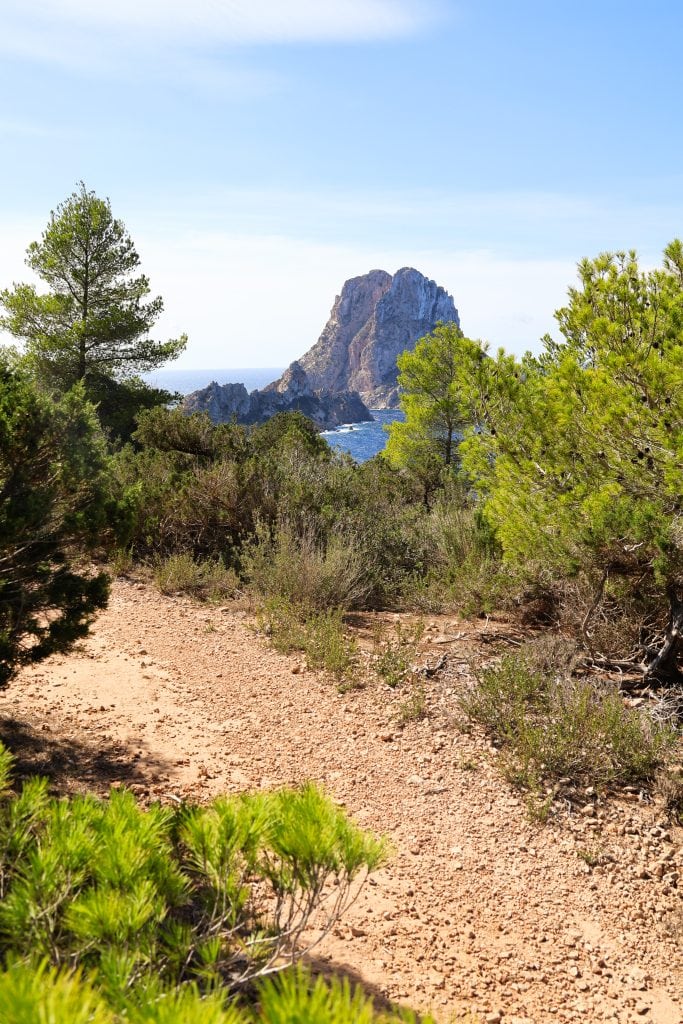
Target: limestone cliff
x,y
375,318
352,366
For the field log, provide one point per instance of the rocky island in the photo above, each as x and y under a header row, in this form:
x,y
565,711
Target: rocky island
x,y
352,367
291,393
374,320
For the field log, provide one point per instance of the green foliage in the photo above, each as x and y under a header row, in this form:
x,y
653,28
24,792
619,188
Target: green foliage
x,y
579,462
555,726
195,436
214,895
52,510
93,320
436,379
291,999
288,430
119,403
207,580
320,635
43,995
182,489
311,574
414,707
276,505
394,656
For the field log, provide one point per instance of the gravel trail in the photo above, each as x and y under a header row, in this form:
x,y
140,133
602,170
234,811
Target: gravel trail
x,y
478,909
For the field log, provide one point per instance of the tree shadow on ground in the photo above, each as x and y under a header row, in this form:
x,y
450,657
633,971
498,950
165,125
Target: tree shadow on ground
x,y
74,765
329,969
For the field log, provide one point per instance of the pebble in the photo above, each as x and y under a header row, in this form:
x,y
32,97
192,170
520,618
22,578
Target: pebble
x,y
432,923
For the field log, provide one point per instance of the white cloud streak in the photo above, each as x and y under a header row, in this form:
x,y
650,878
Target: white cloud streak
x,y
227,22
200,43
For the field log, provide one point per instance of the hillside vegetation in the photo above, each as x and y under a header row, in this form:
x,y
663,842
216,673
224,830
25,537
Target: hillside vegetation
x,y
547,487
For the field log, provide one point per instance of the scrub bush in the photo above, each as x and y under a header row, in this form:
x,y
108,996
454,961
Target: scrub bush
x,y
215,896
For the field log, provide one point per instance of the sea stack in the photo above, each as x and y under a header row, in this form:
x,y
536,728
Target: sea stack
x,y
376,318
352,366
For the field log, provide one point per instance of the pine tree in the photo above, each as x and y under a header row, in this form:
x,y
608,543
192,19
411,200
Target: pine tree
x,y
92,323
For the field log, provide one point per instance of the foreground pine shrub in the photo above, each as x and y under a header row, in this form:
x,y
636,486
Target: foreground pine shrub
x,y
216,895
42,995
115,914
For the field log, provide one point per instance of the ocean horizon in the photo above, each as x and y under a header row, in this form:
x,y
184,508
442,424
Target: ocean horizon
x,y
361,440
186,381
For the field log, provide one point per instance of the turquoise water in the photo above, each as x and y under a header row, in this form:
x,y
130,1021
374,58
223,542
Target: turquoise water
x,y
360,440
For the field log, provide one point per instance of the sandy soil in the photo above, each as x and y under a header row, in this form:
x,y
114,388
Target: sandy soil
x,y
479,908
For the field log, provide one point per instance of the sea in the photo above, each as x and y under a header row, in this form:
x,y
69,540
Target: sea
x,y
361,440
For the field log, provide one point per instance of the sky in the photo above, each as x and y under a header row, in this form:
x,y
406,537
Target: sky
x,y
260,153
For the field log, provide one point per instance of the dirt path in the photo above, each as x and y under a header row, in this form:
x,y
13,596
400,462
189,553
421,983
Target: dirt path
x,y
479,908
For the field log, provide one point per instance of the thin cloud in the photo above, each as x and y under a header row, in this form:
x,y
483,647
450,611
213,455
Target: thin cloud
x,y
231,22
570,226
204,45
84,50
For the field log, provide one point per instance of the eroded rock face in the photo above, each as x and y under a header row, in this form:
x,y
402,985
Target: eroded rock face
x,y
352,366
223,402
375,318
291,393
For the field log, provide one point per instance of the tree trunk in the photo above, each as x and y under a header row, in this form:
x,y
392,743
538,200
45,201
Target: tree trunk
x,y
82,365
665,665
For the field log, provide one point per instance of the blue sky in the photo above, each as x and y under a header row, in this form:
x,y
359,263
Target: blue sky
x,y
262,152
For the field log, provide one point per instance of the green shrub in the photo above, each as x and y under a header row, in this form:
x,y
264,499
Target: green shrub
x,y
208,580
320,635
112,913
310,574
293,998
394,656
53,514
38,995
555,726
215,895
414,707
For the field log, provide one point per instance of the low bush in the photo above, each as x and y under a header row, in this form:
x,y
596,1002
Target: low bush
x,y
32,994
414,707
310,574
113,914
320,635
208,580
554,726
394,655
215,896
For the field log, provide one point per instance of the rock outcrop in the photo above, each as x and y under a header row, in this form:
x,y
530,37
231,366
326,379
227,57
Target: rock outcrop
x,y
291,393
223,402
375,318
352,366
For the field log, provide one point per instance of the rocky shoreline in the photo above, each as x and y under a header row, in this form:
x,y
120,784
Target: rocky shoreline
x,y
291,393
